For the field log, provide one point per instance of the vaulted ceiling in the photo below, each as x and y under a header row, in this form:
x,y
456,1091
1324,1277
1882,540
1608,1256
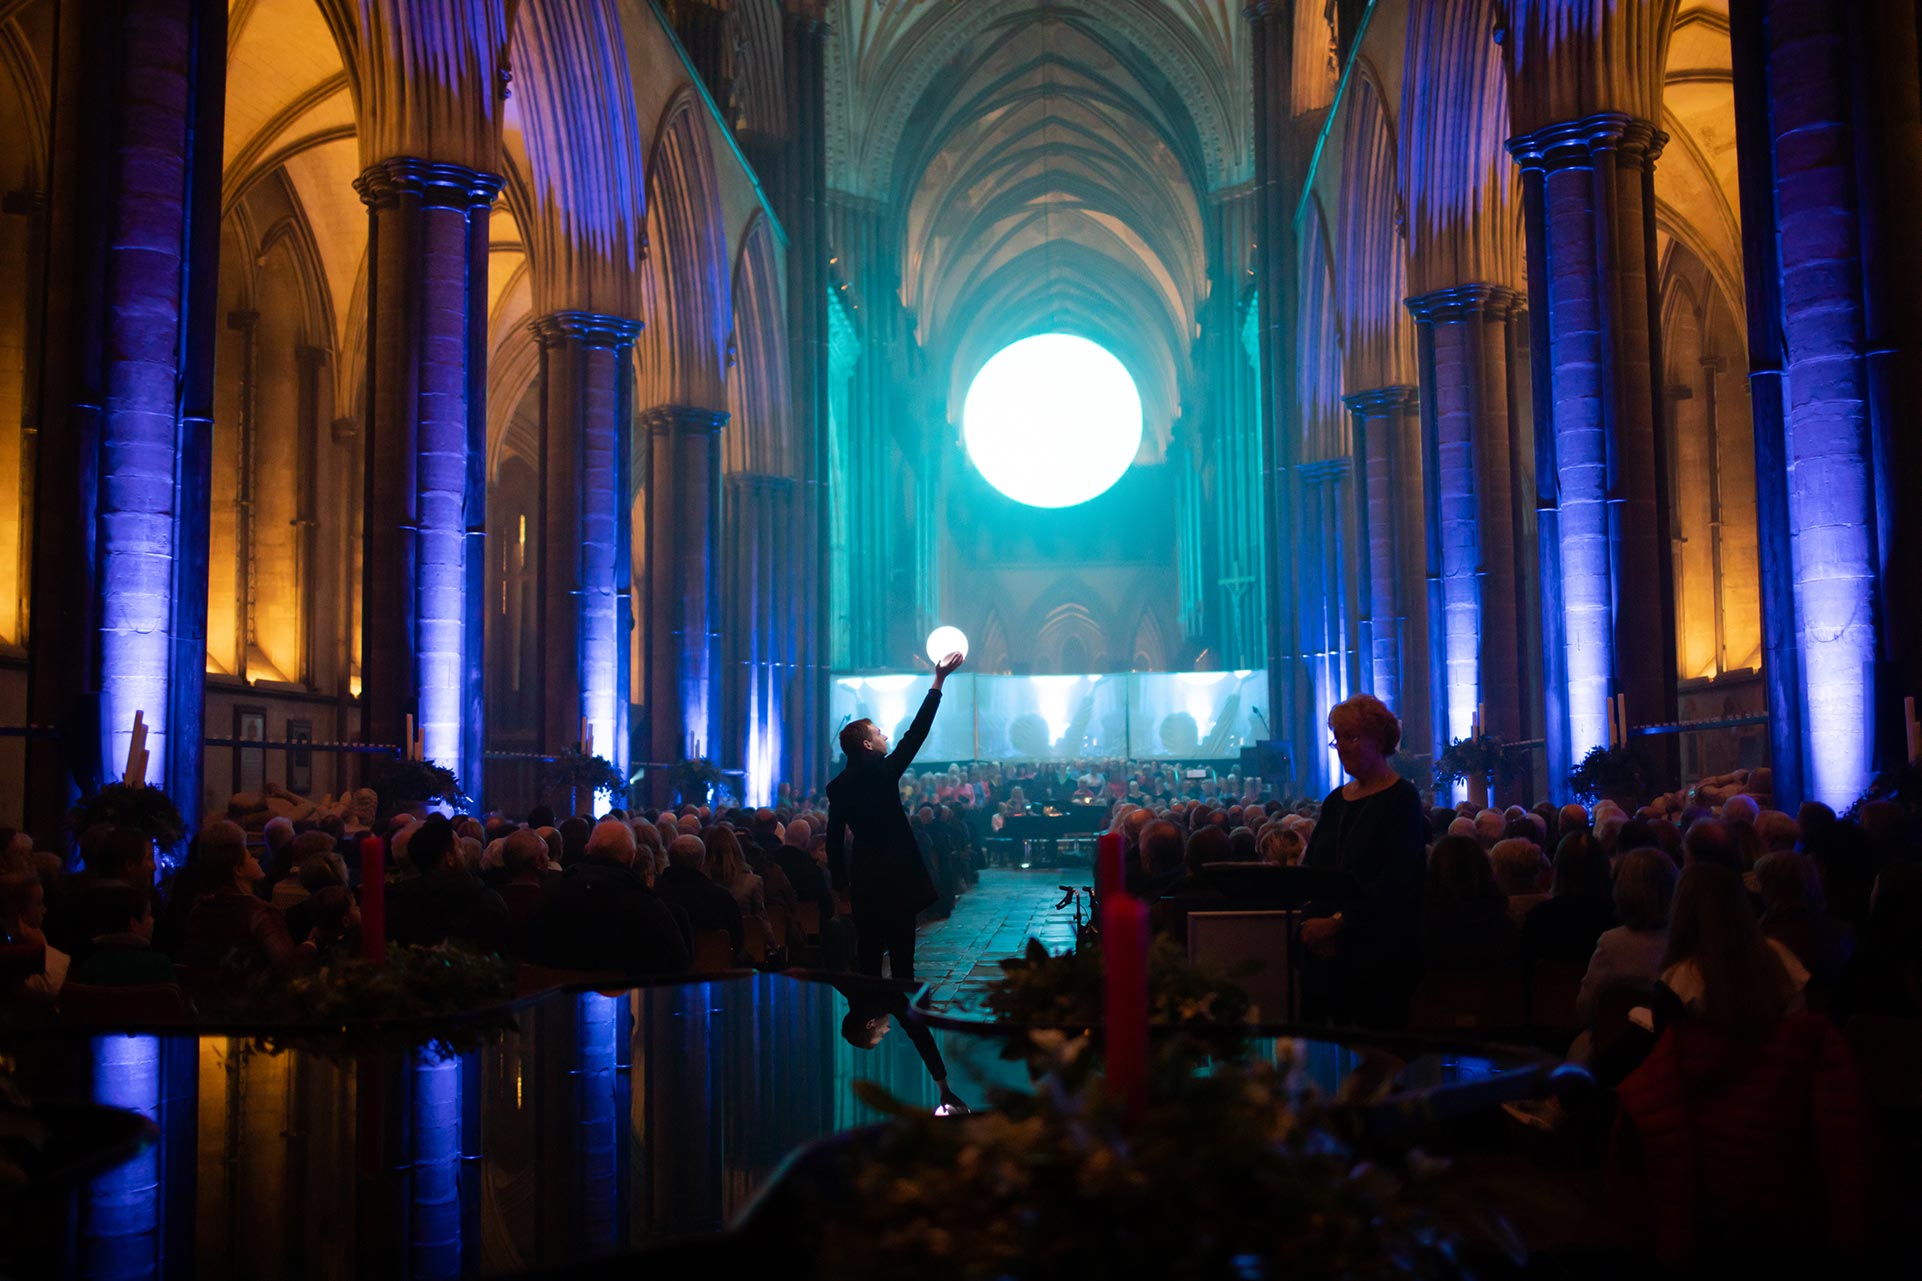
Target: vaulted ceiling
x,y
1048,165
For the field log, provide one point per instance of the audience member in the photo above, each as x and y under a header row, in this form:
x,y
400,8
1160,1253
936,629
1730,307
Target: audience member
x,y
603,914
1464,914
1630,954
123,955
229,923
686,886
1565,927
446,903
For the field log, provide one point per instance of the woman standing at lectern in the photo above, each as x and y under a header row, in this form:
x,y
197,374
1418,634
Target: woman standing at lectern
x,y
885,879
1365,959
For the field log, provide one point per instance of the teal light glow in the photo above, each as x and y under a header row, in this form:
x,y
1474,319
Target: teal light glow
x,y
1052,420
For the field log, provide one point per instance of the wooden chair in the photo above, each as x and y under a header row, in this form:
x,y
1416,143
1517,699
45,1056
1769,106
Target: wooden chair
x,y
713,950
1251,950
98,1005
1470,1000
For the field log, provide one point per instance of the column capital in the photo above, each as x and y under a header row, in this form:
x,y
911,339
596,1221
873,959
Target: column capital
x,y
1463,302
590,329
1325,469
1574,143
1379,401
685,420
435,184
761,482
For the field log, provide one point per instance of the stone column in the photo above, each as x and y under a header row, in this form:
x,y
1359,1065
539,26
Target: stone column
x,y
583,582
424,519
1588,188
804,215
757,636
119,582
683,508
1463,338
1833,491
1394,613
1277,186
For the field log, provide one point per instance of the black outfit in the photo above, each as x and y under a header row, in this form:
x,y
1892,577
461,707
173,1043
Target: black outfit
x,y
1565,928
887,882
600,915
1380,841
809,881
1472,935
444,905
708,906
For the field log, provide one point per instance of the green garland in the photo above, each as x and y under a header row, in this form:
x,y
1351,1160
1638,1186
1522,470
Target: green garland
x,y
1617,771
1488,756
1245,1171
1900,784
400,783
140,806
445,998
575,770
695,780
1065,992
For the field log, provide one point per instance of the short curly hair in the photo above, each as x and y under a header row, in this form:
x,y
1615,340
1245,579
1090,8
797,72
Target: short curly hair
x,y
1367,714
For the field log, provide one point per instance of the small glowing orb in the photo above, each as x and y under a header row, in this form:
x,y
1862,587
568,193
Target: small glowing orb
x,y
1052,420
943,641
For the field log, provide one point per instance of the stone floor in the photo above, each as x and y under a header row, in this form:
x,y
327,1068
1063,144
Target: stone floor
x,y
995,919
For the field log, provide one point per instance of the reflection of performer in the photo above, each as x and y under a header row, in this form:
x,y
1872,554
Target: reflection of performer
x,y
887,881
871,1012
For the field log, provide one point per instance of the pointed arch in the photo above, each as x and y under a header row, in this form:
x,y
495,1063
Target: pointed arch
x,y
1324,427
1462,192
1371,263
759,434
582,201
685,302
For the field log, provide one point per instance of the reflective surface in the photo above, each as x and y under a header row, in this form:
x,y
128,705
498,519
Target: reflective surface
x,y
604,1123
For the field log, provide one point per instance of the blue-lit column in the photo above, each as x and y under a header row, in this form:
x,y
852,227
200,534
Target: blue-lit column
x,y
119,602
1588,188
1463,338
424,519
1394,606
584,386
1821,343
683,511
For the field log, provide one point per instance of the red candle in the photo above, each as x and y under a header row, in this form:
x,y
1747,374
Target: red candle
x,y
1124,950
1110,876
373,899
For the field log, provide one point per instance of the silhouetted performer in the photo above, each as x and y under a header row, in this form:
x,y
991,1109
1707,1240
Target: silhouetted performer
x,y
886,879
872,1011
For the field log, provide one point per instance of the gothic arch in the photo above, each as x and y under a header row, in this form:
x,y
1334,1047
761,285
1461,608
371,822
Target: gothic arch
x,y
759,434
583,199
1462,193
1371,265
686,305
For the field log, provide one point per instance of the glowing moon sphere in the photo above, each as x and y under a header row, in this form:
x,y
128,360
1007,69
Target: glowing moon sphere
x,y
943,641
1052,420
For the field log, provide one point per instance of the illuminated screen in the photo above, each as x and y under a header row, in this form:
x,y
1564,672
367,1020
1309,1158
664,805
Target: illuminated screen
x,y
1052,420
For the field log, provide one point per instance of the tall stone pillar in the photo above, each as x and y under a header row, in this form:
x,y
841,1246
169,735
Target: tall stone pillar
x,y
683,508
1394,610
802,196
585,605
1588,191
1462,336
119,583
1823,150
1277,185
424,519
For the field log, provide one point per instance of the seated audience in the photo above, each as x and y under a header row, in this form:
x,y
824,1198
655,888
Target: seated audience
x,y
1708,840
308,847
1464,915
524,861
1630,954
446,903
603,914
1795,912
1521,874
23,913
727,867
123,955
1884,976
117,857
228,920
1565,926
686,886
